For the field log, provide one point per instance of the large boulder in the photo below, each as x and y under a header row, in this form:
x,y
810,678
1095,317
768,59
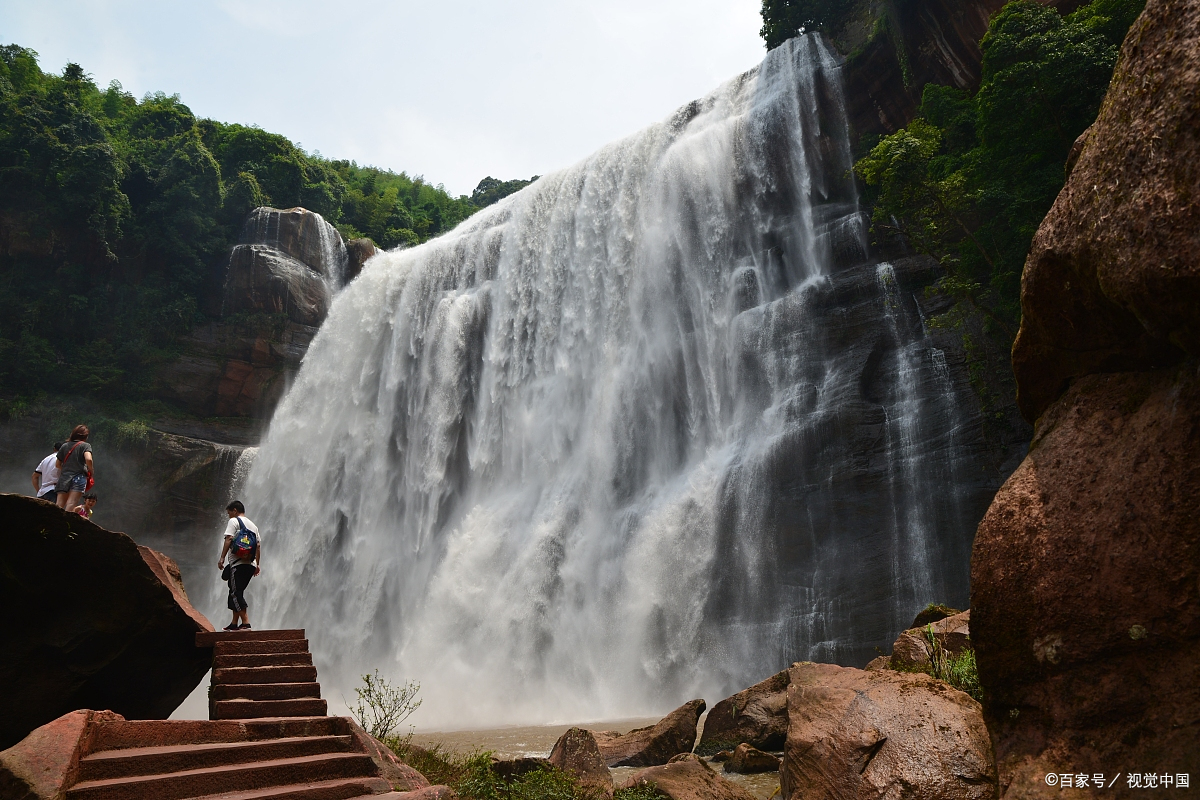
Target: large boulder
x,y
747,760
757,716
266,280
657,744
912,648
857,734
686,777
1086,569
358,251
576,752
44,764
104,624
1086,585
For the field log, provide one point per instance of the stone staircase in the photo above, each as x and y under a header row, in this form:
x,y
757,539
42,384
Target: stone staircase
x,y
262,674
268,737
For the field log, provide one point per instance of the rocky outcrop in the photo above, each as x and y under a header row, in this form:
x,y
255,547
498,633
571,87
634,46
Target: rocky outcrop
x,y
932,613
576,752
278,285
400,776
894,50
109,627
358,251
1086,568
657,744
856,734
756,716
912,647
747,760
686,777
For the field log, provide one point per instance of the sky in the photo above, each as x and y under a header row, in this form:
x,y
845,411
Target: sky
x,y
452,91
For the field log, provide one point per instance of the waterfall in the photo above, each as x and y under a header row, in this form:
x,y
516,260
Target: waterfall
x,y
647,430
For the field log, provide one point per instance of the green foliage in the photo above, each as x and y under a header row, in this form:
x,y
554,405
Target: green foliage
x,y
641,792
783,19
473,778
959,670
382,706
491,190
969,181
117,216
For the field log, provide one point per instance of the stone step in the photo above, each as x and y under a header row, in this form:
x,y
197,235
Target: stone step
x,y
122,734
264,691
264,675
234,647
133,761
320,790
210,638
263,660
228,778
253,709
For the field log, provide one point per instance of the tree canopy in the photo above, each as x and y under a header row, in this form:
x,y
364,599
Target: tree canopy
x,y
117,216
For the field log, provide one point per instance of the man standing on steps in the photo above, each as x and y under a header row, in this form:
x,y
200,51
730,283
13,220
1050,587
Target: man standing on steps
x,y
243,545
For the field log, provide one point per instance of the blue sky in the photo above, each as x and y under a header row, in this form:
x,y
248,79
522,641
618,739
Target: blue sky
x,y
451,91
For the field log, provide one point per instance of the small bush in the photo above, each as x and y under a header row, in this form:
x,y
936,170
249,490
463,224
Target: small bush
x,y
958,670
641,792
473,778
381,707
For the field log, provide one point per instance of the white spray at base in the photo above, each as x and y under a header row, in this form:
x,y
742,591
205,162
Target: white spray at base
x,y
535,463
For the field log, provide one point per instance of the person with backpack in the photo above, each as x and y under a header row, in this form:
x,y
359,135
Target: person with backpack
x,y
75,466
243,545
45,477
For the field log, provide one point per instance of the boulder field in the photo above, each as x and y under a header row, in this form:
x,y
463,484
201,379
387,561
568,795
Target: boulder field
x,y
1086,568
103,623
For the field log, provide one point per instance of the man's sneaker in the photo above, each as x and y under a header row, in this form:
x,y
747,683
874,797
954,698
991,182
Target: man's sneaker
x,y
230,627
245,627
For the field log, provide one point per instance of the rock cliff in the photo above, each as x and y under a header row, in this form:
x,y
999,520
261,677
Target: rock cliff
x,y
1086,569
277,288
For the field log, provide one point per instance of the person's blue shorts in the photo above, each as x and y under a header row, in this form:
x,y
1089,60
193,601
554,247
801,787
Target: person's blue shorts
x,y
76,483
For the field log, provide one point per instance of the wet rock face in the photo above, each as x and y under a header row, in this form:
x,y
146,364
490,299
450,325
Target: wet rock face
x,y
857,734
1112,282
756,716
109,625
301,235
645,747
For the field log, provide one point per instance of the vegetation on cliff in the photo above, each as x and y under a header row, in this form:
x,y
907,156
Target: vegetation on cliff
x,y
117,215
969,181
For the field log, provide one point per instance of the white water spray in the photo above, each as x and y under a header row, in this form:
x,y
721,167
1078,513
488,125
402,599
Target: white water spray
x,y
600,449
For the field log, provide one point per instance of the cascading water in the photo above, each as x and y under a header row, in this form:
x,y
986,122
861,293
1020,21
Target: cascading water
x,y
650,429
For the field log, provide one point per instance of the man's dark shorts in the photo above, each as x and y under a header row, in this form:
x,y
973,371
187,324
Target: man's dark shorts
x,y
239,579
50,496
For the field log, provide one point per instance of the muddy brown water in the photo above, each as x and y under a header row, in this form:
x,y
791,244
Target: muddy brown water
x,y
538,741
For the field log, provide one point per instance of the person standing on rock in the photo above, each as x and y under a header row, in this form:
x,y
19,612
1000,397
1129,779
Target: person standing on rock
x,y
243,545
45,477
74,468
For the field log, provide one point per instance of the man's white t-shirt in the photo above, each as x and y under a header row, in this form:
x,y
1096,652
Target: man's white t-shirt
x,y
49,470
231,529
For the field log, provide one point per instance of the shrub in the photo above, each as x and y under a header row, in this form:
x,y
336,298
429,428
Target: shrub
x,y
381,706
958,670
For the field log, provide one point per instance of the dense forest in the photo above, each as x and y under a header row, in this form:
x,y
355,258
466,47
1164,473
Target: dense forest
x,y
116,215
